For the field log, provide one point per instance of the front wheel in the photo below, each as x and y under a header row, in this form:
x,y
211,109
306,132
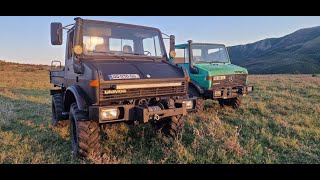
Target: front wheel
x,y
199,105
233,102
84,134
171,126
193,92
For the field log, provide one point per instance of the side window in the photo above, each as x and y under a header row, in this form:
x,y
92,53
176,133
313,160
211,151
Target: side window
x,y
180,56
197,55
70,44
186,54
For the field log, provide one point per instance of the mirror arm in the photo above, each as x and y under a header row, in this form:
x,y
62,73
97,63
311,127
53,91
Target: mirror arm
x,y
168,37
65,27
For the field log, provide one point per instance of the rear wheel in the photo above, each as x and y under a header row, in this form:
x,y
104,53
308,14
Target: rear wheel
x,y
171,126
57,109
232,103
85,135
193,92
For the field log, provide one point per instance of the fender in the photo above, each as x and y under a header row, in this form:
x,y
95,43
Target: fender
x,y
196,85
177,67
75,94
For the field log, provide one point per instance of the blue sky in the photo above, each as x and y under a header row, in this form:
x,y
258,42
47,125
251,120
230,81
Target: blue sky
x,y
26,39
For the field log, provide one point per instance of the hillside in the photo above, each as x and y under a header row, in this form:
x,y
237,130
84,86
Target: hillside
x,y
298,52
12,66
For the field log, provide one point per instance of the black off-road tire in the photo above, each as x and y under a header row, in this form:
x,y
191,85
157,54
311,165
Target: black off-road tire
x,y
84,134
199,105
171,126
193,92
57,109
232,103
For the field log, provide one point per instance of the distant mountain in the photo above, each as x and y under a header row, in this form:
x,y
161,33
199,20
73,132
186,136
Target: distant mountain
x,y
298,52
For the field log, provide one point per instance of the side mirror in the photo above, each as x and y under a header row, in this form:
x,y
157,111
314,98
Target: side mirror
x,y
56,33
172,52
193,70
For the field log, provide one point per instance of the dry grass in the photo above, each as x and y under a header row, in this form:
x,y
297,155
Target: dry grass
x,y
278,123
7,113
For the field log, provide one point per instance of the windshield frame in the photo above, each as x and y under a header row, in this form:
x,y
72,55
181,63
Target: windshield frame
x,y
215,44
129,56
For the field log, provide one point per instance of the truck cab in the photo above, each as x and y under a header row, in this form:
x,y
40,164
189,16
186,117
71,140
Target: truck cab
x,y
212,74
114,73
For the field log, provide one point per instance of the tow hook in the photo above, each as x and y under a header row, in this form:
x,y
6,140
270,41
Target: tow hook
x,y
156,117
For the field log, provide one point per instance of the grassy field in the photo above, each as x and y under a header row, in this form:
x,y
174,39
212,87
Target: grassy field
x,y
278,123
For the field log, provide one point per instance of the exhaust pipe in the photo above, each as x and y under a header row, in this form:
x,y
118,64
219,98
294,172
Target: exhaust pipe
x,y
193,70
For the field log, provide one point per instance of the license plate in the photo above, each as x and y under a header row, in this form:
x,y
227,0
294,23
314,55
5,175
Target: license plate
x,y
124,76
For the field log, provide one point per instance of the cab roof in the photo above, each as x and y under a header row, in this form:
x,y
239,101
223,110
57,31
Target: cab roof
x,y
181,46
120,24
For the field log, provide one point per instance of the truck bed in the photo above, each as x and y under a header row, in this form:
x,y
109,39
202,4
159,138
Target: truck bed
x,y
57,76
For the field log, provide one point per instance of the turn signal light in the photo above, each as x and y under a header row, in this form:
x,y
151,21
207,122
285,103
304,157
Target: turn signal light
x,y
94,83
209,78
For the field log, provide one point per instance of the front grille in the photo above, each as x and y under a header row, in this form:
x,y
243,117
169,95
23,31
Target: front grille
x,y
144,93
231,81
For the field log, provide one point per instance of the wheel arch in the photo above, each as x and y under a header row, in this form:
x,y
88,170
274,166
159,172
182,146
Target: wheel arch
x,y
196,85
75,94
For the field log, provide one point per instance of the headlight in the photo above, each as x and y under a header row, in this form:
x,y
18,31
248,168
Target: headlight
x,y
189,104
109,113
217,93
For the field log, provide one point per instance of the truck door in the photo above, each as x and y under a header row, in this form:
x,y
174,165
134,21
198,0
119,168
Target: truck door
x,y
70,76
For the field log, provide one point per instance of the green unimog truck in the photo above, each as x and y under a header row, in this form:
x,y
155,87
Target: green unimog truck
x,y
212,74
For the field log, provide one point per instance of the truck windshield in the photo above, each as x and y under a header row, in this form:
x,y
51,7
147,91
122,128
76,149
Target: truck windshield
x,y
106,39
209,53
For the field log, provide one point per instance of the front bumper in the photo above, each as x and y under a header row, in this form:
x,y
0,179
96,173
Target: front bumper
x,y
194,103
227,92
133,112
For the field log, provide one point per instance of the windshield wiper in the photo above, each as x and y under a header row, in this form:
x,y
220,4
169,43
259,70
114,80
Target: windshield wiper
x,y
150,58
198,62
101,52
216,62
114,55
132,53
142,55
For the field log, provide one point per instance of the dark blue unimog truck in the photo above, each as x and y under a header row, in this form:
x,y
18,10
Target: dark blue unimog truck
x,y
115,73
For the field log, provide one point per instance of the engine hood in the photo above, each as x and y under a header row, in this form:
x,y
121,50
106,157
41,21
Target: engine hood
x,y
221,69
129,69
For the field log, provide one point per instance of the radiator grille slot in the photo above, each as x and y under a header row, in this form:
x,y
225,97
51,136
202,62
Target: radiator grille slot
x,y
144,92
